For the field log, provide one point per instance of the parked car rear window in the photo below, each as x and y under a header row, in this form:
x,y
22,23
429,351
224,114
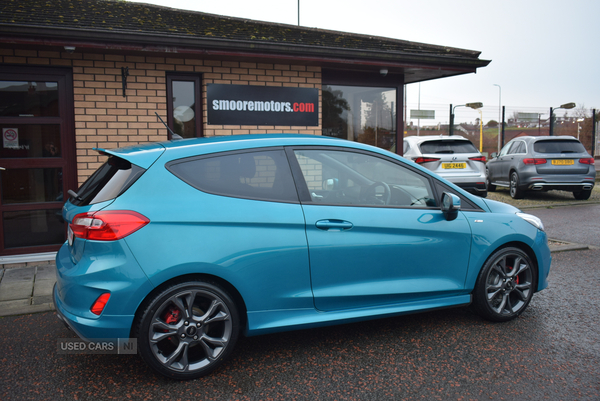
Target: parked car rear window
x,y
558,146
109,181
262,175
448,146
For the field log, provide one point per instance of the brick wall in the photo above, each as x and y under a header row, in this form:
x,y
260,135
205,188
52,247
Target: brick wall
x,y
106,119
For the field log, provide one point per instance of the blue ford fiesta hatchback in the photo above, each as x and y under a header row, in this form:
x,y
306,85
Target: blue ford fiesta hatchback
x,y
185,245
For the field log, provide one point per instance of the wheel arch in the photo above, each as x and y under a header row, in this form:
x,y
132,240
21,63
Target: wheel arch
x,y
227,286
523,247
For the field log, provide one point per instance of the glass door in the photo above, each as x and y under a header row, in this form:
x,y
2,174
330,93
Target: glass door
x,y
36,156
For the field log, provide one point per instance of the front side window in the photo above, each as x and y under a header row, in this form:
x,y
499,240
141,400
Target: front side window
x,y
358,179
262,175
504,150
360,113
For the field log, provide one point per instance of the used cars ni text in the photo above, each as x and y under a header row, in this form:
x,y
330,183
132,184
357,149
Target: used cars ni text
x,y
453,157
186,245
530,163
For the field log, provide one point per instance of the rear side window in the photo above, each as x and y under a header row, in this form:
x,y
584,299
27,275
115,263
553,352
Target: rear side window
x,y
558,146
113,178
261,175
448,146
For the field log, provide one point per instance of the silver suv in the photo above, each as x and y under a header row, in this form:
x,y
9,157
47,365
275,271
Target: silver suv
x,y
543,164
455,158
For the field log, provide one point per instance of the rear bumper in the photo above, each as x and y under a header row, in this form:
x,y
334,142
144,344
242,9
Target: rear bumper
x,y
107,328
561,186
78,285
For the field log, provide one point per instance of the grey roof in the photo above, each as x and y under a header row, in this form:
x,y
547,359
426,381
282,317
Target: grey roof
x,y
144,27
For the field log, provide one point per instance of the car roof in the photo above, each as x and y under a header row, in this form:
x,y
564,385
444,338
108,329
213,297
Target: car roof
x,y
145,154
545,138
421,139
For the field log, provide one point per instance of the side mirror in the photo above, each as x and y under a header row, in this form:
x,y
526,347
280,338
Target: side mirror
x,y
450,206
493,155
331,184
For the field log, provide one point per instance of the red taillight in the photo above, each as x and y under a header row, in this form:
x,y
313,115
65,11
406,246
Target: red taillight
x,y
587,160
425,159
107,226
100,303
534,161
478,158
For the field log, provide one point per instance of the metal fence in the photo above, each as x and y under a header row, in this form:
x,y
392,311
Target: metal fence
x,y
518,121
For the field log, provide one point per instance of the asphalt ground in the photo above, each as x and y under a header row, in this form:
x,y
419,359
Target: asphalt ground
x,y
551,352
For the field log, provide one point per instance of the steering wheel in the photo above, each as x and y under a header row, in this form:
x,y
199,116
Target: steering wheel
x,y
387,193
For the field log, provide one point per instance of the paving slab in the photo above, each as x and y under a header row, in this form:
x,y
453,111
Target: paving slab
x,y
10,291
22,307
46,272
20,274
43,287
40,300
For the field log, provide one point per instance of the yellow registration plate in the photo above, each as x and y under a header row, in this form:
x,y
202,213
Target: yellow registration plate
x,y
454,165
563,162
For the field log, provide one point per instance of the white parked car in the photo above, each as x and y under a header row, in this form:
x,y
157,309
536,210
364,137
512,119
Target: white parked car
x,y
454,158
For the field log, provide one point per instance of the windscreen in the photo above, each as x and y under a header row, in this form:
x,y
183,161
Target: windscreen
x,y
109,181
447,146
558,146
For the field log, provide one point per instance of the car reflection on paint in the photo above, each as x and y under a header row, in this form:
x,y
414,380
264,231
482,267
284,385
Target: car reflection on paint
x,y
186,245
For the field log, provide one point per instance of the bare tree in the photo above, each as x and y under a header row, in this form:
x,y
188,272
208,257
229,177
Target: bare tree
x,y
581,112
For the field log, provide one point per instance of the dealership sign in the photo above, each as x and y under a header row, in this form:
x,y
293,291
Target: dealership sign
x,y
262,105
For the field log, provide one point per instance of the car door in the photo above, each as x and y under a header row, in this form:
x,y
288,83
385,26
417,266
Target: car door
x,y
498,167
514,156
375,233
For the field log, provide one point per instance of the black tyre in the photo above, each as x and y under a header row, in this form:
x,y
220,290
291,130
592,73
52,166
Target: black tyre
x,y
490,187
515,191
505,285
188,330
583,195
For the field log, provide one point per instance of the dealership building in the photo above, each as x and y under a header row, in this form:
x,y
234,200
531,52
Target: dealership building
x,y
82,74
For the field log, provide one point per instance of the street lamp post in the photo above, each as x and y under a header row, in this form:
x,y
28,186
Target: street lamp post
x,y
499,114
480,130
475,105
563,106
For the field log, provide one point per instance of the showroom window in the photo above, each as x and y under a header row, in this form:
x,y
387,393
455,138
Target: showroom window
x,y
360,113
364,107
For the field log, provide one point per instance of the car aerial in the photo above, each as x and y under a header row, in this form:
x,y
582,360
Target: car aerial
x,y
534,163
185,245
453,157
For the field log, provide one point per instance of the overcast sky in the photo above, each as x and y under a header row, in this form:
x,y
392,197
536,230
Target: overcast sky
x,y
544,53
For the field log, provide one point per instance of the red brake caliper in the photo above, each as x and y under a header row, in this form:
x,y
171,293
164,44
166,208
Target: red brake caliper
x,y
172,315
516,278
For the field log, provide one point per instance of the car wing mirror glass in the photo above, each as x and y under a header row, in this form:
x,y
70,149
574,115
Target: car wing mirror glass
x,y
330,184
494,155
450,206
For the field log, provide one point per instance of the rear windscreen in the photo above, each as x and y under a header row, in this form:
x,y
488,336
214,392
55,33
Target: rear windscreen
x,y
447,146
558,146
109,181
